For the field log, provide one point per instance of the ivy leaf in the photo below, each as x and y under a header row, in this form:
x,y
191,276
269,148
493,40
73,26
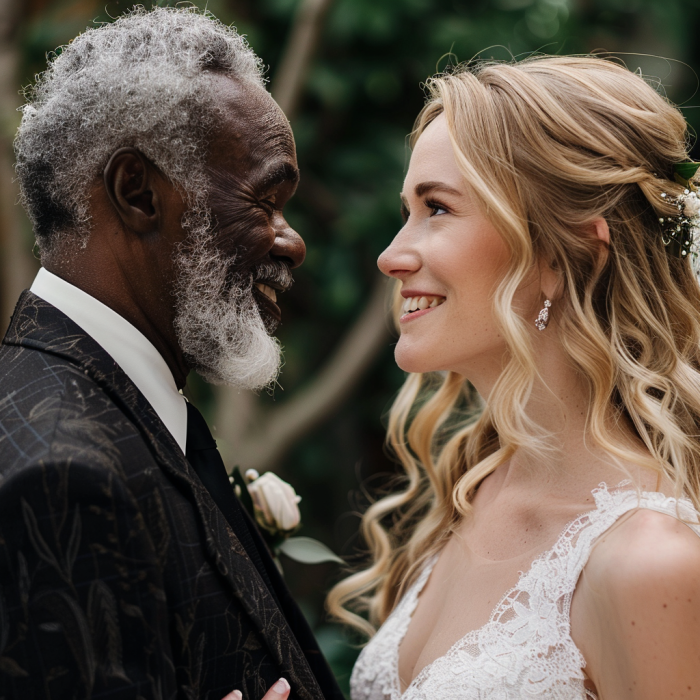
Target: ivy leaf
x,y
103,619
4,624
73,543
67,612
684,172
12,668
24,581
42,549
308,551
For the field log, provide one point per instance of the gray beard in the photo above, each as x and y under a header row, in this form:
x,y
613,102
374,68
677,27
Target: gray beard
x,y
218,323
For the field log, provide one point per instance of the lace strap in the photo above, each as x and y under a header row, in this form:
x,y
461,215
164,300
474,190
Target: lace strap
x,y
577,542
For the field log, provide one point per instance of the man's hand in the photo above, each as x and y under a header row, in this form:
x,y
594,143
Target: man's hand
x,y
279,691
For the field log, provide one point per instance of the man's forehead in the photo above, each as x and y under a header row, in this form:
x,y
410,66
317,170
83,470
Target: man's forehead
x,y
252,127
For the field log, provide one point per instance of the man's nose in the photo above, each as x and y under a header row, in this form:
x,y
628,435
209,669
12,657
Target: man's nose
x,y
289,245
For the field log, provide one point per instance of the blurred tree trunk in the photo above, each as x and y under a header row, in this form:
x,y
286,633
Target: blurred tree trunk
x,y
288,85
257,439
16,263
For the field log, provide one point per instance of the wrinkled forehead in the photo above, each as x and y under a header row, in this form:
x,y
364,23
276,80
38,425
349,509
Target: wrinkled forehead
x,y
253,130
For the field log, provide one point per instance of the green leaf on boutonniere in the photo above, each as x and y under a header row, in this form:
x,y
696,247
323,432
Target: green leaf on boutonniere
x,y
307,551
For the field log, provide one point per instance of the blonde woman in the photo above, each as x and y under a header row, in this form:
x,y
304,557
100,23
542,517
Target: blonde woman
x,y
545,545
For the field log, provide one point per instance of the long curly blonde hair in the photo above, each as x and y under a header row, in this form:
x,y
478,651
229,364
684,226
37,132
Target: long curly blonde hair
x,y
549,144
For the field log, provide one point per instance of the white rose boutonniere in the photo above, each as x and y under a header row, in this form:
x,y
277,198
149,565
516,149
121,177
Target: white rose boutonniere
x,y
275,506
275,502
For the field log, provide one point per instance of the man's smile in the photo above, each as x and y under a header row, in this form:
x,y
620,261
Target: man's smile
x,y
269,278
266,290
266,298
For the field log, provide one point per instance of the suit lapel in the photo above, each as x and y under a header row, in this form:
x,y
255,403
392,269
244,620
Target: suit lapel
x,y
39,325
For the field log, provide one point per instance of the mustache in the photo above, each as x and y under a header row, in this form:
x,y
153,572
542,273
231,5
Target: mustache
x,y
200,247
275,273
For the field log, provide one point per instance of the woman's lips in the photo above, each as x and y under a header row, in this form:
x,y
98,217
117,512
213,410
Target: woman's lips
x,y
418,304
412,315
406,318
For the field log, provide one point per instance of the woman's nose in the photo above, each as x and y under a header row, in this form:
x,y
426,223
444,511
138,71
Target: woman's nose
x,y
398,260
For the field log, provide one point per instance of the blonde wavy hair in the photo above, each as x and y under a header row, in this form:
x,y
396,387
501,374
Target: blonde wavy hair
x,y
547,145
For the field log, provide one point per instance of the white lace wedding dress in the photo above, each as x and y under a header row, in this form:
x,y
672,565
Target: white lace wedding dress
x,y
525,651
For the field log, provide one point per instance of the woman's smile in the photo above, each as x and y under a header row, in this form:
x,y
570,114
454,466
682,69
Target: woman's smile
x,y
418,304
448,248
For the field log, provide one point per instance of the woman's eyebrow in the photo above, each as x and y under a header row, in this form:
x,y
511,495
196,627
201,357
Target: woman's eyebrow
x,y
432,185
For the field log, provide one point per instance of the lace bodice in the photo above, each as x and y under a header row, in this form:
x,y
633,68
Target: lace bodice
x,y
525,650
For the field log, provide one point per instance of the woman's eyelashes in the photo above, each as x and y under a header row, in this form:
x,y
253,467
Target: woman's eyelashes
x,y
434,208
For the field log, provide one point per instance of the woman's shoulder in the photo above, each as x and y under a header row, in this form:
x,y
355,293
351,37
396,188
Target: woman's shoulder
x,y
636,612
651,550
644,546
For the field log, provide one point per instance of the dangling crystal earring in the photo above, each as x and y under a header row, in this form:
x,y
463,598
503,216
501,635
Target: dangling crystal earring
x,y
543,317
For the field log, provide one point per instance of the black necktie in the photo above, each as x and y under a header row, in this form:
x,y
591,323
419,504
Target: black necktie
x,y
205,459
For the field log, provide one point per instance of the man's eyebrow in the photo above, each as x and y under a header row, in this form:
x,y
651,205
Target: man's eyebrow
x,y
285,172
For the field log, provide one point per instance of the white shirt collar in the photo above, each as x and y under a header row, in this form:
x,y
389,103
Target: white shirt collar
x,y
129,348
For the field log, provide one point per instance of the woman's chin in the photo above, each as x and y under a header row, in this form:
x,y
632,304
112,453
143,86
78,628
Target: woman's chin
x,y
415,362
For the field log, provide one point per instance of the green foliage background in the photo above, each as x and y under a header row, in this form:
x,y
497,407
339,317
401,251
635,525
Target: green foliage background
x,y
362,95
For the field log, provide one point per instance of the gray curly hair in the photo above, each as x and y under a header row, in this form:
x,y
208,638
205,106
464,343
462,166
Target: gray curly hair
x,y
140,81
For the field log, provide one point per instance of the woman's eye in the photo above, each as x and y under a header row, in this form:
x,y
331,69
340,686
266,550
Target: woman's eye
x,y
436,209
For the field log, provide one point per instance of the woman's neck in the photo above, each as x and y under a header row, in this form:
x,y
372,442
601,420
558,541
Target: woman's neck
x,y
559,406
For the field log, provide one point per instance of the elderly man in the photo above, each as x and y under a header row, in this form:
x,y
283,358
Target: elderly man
x,y
155,168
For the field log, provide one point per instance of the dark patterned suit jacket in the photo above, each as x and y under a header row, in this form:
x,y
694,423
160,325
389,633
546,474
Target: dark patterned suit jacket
x,y
119,576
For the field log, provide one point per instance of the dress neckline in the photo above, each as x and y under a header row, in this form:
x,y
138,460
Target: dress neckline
x,y
602,494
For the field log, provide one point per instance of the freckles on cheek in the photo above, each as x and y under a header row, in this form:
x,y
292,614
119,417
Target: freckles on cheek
x,y
475,271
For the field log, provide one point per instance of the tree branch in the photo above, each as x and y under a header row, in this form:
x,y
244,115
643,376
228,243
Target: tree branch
x,y
247,436
263,439
16,264
288,85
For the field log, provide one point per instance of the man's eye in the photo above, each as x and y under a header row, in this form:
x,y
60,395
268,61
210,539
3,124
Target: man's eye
x,y
268,204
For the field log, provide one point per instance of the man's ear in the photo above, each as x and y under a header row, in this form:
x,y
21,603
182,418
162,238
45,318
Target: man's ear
x,y
130,181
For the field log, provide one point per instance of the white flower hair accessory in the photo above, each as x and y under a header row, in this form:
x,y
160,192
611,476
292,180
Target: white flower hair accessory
x,y
681,233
